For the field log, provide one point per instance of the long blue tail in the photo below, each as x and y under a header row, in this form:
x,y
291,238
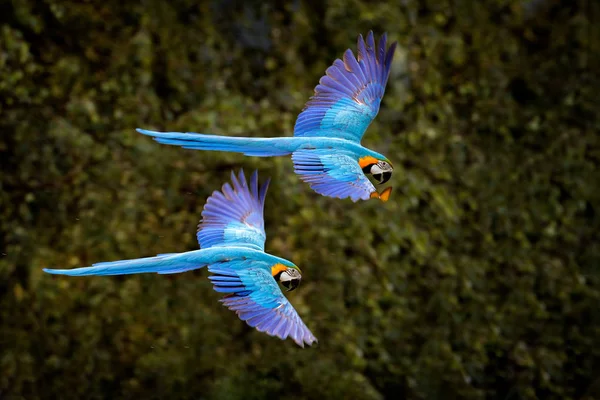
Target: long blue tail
x,y
259,147
161,264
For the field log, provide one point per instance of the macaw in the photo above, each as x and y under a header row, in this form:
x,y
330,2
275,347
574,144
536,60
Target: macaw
x,y
232,237
325,148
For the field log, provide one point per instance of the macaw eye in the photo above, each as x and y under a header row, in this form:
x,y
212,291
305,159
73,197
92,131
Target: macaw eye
x,y
290,279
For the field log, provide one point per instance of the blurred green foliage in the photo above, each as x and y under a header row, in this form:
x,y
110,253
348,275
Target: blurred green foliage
x,y
478,280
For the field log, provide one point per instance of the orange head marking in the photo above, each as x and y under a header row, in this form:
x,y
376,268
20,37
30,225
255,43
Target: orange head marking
x,y
366,161
278,268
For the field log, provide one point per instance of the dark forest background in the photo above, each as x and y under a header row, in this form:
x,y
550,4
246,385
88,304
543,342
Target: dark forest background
x,y
479,279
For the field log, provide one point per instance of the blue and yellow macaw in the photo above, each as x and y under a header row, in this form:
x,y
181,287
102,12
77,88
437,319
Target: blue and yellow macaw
x,y
325,148
232,243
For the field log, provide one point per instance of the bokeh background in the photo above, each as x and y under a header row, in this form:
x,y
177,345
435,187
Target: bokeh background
x,y
477,280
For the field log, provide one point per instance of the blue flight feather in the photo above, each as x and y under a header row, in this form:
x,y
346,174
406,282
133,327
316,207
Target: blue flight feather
x,y
262,305
348,96
234,216
159,264
334,175
258,147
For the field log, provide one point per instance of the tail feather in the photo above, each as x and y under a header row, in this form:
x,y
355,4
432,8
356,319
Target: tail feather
x,y
161,264
258,147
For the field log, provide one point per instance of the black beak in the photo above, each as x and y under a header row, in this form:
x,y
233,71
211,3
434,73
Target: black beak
x,y
383,177
291,284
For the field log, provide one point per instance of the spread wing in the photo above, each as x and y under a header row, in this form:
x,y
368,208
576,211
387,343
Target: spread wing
x,y
256,298
234,216
347,98
333,175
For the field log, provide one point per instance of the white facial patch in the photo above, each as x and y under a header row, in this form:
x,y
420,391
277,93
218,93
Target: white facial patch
x,y
376,169
285,276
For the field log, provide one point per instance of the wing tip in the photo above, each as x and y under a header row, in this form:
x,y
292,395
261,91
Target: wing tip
x,y
310,340
370,39
144,131
65,272
348,58
387,52
240,182
263,191
148,132
52,271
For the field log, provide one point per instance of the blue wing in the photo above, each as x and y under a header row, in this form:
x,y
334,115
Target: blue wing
x,y
347,98
234,216
259,147
332,174
171,263
256,298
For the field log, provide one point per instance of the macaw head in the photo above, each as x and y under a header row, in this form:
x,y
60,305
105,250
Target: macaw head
x,y
289,277
381,170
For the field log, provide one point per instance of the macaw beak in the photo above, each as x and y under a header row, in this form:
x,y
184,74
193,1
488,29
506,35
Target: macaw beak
x,y
383,196
382,177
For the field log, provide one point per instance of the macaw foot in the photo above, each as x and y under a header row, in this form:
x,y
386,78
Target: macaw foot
x,y
383,196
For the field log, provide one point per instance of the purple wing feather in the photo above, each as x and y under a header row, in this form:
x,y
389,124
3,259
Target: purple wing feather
x,y
347,97
332,174
234,216
256,298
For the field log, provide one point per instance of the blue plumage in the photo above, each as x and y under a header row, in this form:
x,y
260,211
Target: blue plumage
x,y
258,147
235,215
232,237
347,98
261,307
332,174
161,264
333,122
